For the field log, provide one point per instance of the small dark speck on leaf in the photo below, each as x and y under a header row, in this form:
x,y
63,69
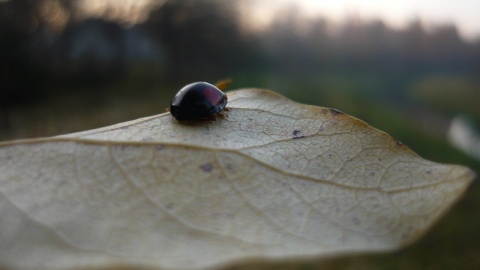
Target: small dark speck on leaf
x,y
169,206
297,134
356,221
207,167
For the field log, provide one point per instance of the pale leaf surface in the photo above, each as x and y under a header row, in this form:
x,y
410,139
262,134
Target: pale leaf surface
x,y
276,179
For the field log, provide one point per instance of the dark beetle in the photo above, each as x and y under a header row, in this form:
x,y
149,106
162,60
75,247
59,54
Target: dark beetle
x,y
198,101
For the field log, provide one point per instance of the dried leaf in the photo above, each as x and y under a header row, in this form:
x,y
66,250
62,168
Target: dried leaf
x,y
275,179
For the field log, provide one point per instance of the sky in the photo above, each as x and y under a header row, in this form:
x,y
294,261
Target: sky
x,y
465,14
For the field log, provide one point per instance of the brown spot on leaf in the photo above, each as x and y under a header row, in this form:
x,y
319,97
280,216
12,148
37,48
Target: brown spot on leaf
x,y
297,134
207,167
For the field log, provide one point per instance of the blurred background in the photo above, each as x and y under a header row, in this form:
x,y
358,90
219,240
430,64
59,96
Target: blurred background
x,y
410,68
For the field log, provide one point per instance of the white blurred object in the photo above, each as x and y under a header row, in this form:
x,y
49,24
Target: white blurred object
x,y
463,135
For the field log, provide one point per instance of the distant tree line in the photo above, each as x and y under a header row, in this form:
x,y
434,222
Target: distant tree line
x,y
295,43
188,38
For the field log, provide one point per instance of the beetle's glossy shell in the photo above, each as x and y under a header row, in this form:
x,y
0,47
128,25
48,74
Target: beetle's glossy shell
x,y
197,101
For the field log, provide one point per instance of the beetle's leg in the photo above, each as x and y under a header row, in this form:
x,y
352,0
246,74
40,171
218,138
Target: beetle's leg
x,y
209,118
222,115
